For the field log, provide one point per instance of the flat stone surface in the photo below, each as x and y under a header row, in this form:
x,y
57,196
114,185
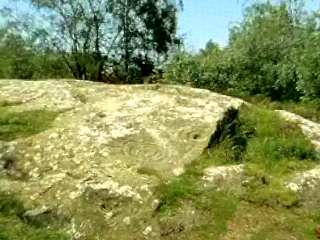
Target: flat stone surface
x,y
224,178
101,138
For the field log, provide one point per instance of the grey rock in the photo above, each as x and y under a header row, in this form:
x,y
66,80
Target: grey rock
x,y
86,166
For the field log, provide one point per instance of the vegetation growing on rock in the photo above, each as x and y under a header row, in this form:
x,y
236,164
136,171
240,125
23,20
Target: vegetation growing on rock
x,y
275,150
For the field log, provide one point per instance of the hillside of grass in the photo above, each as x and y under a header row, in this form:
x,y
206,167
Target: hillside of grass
x,y
271,152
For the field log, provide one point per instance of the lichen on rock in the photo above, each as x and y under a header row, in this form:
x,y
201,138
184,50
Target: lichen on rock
x,y
85,162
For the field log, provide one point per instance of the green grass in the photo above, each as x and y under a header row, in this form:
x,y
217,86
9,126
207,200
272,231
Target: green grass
x,y
275,139
15,125
277,150
213,208
14,227
307,109
9,204
272,152
260,222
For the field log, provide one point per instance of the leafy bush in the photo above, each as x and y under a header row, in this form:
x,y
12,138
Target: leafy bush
x,y
210,72
273,52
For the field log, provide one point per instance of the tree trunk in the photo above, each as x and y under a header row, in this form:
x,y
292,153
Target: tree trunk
x,y
126,40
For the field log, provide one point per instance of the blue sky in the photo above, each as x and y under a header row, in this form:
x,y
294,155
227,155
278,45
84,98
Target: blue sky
x,y
202,20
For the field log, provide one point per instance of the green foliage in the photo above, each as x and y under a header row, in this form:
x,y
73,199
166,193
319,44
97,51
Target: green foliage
x,y
50,65
16,57
209,70
309,67
264,47
20,60
273,52
22,124
182,69
89,35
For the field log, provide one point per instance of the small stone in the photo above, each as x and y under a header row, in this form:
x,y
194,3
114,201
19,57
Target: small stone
x,y
77,235
101,114
126,221
144,188
147,230
105,154
36,212
178,171
155,203
53,135
73,195
108,215
265,179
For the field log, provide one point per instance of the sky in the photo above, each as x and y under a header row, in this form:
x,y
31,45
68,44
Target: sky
x,y
203,20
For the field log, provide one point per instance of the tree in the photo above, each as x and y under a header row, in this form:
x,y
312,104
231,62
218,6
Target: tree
x,y
16,56
89,34
75,30
147,31
309,61
274,51
211,47
265,45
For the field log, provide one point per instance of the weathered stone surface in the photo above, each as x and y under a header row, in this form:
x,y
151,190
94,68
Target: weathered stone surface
x,y
95,169
306,184
86,166
309,128
224,177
